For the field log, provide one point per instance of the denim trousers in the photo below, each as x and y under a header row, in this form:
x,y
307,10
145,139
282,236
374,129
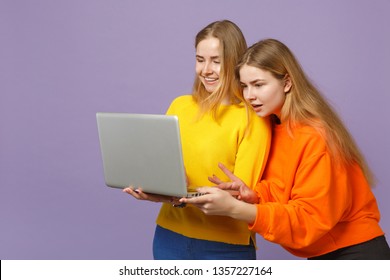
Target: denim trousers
x,y
169,245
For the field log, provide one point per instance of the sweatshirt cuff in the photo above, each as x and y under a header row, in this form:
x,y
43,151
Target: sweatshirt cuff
x,y
262,221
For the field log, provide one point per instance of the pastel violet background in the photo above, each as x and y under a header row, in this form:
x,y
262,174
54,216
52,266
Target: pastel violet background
x,y
63,61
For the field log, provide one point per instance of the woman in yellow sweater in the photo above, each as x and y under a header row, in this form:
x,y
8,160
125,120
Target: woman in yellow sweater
x,y
314,198
216,125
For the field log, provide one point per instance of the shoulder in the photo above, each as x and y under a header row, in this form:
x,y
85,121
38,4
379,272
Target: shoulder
x,y
309,139
183,99
299,139
305,131
239,112
180,103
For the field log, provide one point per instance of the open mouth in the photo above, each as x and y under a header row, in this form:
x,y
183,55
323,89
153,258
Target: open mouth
x,y
256,107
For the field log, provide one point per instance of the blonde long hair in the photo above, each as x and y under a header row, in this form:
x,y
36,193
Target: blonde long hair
x,y
232,47
304,104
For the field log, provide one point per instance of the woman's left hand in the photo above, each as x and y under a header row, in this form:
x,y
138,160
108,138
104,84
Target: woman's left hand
x,y
219,202
214,201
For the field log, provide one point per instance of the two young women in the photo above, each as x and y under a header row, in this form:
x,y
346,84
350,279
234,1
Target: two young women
x,y
216,126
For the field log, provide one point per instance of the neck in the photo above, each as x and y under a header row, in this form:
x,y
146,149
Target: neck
x,y
225,101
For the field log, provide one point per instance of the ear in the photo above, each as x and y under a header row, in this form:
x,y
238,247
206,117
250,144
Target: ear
x,y
287,83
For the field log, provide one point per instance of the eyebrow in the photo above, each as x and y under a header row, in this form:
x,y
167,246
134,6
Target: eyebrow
x,y
213,57
254,81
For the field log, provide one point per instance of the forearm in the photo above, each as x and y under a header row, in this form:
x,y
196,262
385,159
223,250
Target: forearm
x,y
244,211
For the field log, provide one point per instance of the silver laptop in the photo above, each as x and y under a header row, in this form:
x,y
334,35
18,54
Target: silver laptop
x,y
142,150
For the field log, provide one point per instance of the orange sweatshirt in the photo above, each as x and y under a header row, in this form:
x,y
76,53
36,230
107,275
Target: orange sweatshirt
x,y
308,204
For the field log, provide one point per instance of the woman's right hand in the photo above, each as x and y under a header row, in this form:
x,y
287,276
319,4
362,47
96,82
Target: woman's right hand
x,y
245,193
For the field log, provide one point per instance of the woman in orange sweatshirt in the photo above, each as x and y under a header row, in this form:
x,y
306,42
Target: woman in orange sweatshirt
x,y
314,198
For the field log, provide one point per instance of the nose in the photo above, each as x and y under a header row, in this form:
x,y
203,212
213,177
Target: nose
x,y
207,68
248,93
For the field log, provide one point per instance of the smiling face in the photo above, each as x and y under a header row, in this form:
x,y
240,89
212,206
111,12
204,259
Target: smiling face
x,y
263,91
208,62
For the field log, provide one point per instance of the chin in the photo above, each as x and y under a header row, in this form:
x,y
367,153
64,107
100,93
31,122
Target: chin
x,y
210,89
261,114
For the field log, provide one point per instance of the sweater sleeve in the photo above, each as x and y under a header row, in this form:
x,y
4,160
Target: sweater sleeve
x,y
253,150
316,202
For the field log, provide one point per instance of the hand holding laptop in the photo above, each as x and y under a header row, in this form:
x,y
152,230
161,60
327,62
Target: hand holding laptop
x,y
140,195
